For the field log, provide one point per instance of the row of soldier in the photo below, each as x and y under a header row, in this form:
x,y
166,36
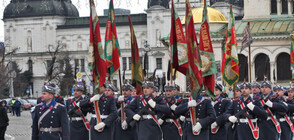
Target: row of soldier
x,y
257,112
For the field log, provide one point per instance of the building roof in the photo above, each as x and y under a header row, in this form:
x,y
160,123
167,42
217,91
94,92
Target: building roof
x,y
121,20
35,8
214,16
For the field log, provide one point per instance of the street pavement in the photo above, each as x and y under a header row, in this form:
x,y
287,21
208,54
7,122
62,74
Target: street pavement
x,y
19,127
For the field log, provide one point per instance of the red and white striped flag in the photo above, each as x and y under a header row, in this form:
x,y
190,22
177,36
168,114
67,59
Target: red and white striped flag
x,y
247,38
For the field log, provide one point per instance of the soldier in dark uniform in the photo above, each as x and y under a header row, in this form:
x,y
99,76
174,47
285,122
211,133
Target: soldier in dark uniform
x,y
78,129
169,122
237,92
281,116
256,90
269,127
246,127
107,112
290,102
121,129
218,130
147,125
176,92
205,114
50,121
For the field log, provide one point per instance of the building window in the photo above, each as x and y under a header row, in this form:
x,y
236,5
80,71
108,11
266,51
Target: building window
x,y
284,6
130,63
159,63
30,64
82,65
283,67
273,6
262,67
124,63
243,67
49,64
127,44
76,64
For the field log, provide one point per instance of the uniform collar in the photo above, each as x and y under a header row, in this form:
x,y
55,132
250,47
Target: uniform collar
x,y
249,99
50,105
218,99
128,99
199,98
177,97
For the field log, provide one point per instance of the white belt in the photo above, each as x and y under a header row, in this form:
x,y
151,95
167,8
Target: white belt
x,y
246,120
148,116
282,119
189,119
101,116
57,129
76,118
269,118
169,120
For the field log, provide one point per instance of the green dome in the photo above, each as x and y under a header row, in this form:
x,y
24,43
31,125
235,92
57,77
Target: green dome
x,y
36,8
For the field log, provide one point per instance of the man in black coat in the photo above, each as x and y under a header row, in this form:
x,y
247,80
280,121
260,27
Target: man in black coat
x,y
78,128
50,121
3,120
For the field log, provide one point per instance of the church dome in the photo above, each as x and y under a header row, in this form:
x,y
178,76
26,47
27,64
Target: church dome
x,y
36,8
214,16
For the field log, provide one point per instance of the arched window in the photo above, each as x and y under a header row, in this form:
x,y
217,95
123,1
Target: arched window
x,y
30,65
273,6
243,67
283,67
262,67
284,6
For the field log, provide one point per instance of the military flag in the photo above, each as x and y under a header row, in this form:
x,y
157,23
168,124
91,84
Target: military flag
x,y
178,44
247,38
112,50
292,57
137,72
230,62
208,65
96,57
195,74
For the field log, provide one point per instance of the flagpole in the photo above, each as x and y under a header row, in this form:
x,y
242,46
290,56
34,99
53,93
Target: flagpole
x,y
250,79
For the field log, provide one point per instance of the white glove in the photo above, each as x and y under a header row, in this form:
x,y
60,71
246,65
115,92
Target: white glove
x,y
99,125
173,107
152,103
160,121
136,117
124,125
197,127
78,104
214,125
285,104
192,103
121,98
182,118
95,98
250,106
232,119
269,103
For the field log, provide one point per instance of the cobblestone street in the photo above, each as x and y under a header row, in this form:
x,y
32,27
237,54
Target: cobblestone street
x,y
19,127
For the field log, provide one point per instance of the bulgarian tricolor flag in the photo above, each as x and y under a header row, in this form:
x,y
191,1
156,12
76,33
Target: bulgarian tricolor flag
x,y
230,62
207,56
137,72
292,57
178,44
112,50
195,74
96,57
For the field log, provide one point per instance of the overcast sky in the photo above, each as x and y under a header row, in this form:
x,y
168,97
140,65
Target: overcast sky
x,y
136,6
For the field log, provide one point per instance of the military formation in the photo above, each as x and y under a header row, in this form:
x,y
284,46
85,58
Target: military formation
x,y
262,111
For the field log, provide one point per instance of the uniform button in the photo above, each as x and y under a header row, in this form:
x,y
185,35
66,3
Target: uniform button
x,y
51,122
220,104
103,105
39,112
52,111
52,117
199,105
139,106
104,101
237,110
40,107
218,112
